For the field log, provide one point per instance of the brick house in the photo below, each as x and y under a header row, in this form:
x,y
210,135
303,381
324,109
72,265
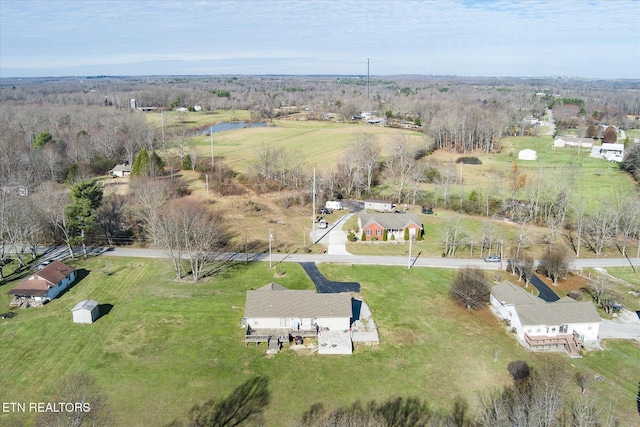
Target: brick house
x,y
373,225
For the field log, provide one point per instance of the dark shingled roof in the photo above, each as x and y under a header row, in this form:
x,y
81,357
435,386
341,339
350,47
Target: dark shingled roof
x,y
535,311
390,221
274,300
54,272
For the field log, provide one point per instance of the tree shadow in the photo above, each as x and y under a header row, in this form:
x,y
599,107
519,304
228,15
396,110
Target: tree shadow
x,y
244,405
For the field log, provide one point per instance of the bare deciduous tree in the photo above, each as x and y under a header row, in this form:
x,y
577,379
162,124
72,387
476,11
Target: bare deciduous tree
x,y
555,262
188,228
89,403
470,288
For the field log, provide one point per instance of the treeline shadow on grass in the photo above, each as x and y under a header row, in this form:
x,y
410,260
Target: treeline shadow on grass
x,y
244,406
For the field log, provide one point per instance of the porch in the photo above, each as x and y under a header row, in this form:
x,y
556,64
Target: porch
x,y
24,302
274,338
570,343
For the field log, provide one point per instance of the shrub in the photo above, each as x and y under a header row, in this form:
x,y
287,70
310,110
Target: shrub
x,y
186,162
519,369
469,160
470,288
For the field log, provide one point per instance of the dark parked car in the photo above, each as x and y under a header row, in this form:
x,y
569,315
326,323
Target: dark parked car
x,y
427,211
325,211
492,258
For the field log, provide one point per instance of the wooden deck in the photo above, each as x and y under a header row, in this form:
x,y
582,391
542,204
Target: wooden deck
x,y
566,342
274,338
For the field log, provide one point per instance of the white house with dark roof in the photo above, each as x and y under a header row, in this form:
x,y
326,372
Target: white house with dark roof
x,y
43,286
273,313
563,325
121,170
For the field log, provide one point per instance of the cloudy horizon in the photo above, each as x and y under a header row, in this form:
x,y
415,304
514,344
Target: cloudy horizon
x,y
598,39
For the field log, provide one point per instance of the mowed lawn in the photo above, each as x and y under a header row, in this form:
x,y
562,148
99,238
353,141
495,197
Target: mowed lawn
x,y
167,345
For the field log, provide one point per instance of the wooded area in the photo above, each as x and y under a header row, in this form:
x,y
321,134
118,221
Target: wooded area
x,y
62,132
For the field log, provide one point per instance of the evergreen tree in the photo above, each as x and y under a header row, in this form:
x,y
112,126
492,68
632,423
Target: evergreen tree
x,y
363,237
384,235
155,165
139,166
42,139
86,197
406,234
186,162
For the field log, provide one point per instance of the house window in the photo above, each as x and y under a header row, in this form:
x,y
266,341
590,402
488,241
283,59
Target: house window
x,y
564,329
378,232
528,331
589,328
538,330
368,232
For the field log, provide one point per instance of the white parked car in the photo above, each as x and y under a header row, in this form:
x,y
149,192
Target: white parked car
x,y
323,224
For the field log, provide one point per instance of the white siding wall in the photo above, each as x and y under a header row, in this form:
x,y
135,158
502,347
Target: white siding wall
x,y
336,323
61,286
82,316
587,331
264,323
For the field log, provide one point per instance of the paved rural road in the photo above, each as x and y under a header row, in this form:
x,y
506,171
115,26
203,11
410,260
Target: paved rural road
x,y
416,261
546,293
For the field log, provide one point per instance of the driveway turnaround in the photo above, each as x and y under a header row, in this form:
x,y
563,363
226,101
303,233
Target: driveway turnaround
x,y
546,293
324,286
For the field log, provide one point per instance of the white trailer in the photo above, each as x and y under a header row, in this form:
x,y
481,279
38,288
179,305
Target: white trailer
x,y
334,205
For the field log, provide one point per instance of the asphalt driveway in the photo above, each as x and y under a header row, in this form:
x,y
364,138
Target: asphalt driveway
x,y
324,286
546,293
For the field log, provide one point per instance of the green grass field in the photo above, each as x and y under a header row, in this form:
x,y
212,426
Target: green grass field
x,y
168,345
321,144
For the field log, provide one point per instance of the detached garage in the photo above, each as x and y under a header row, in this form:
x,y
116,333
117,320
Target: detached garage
x,y
527,154
86,311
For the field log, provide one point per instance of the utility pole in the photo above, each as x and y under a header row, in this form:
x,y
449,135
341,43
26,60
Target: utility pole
x,y
207,180
313,214
211,138
410,241
368,79
270,259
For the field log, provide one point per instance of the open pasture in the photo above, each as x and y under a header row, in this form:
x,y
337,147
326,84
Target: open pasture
x,y
320,144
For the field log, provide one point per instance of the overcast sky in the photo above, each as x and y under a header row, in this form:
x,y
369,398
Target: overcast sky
x,y
593,39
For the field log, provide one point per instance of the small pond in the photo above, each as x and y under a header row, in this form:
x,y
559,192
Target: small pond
x,y
223,127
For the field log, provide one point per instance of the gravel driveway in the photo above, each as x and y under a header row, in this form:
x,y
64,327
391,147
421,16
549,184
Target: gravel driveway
x,y
626,325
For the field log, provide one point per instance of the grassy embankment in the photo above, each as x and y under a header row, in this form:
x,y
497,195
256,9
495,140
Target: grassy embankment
x,y
167,345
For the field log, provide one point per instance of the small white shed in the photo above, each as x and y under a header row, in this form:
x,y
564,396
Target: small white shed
x,y
86,311
527,154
